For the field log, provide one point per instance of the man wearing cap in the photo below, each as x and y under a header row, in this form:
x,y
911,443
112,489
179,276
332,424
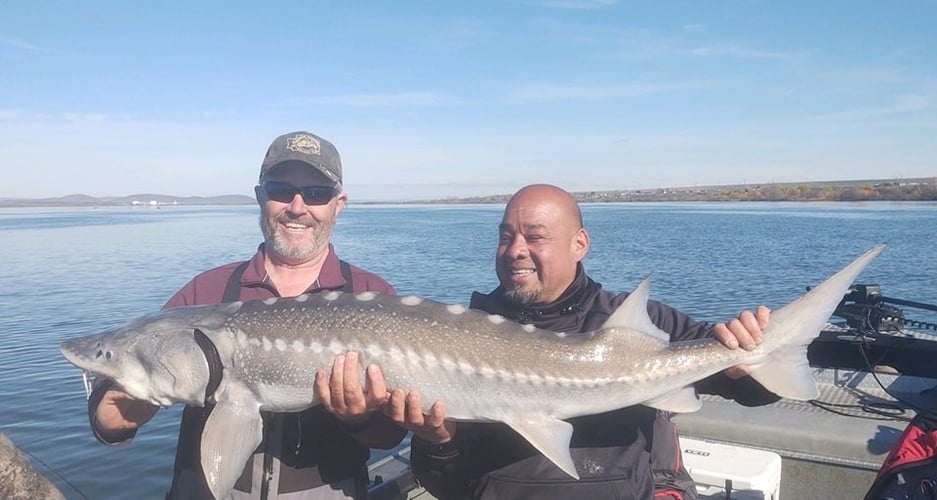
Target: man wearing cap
x,y
319,453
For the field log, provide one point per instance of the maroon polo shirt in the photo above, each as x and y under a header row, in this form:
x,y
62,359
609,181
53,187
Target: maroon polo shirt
x,y
208,287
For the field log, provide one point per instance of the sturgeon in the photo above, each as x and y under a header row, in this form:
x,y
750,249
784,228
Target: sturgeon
x,y
485,368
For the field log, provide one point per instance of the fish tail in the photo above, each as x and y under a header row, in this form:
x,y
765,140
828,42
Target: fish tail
x,y
792,328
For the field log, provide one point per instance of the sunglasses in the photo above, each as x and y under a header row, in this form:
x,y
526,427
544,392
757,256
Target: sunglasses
x,y
285,192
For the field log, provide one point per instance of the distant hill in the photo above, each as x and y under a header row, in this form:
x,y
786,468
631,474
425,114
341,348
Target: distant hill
x,y
81,200
918,189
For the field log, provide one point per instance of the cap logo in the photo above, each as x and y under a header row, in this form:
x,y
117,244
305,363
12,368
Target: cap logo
x,y
303,143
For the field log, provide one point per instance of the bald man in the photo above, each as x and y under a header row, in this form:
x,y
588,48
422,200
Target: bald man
x,y
628,453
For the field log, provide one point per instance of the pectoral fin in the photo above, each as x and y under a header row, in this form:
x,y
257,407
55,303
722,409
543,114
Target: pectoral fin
x,y
549,435
232,432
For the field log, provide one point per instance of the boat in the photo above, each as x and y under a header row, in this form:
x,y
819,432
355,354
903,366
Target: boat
x,y
875,369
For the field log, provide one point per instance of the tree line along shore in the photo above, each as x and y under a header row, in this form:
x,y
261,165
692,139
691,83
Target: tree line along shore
x,y
921,189
905,190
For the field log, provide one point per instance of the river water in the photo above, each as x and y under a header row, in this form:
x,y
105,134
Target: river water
x,y
73,272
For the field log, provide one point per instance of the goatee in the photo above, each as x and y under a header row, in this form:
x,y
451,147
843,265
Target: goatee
x,y
522,298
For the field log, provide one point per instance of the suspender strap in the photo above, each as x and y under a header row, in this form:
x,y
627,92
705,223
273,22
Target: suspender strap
x,y
215,368
346,273
232,290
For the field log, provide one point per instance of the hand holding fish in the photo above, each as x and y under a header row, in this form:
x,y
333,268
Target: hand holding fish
x,y
406,410
120,413
342,393
745,331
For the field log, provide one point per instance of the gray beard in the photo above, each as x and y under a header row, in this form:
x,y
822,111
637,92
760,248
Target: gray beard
x,y
322,233
521,298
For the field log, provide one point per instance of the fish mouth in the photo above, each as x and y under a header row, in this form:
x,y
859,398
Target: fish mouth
x,y
72,353
85,354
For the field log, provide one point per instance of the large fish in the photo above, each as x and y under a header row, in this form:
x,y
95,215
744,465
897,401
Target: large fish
x,y
484,367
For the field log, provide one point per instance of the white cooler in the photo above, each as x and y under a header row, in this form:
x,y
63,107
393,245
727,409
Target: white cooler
x,y
732,472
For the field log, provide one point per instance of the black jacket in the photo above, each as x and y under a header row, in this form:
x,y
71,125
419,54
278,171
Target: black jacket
x,y
630,453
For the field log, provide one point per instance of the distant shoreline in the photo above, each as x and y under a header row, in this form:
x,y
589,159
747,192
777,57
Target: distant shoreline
x,y
918,189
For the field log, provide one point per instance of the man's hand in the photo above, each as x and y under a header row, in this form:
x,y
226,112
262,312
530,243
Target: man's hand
x,y
342,393
119,412
745,331
406,410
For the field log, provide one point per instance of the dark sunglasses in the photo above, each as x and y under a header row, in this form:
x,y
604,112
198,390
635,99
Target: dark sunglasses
x,y
284,192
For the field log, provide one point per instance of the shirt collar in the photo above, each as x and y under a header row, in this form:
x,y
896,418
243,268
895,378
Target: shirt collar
x,y
330,276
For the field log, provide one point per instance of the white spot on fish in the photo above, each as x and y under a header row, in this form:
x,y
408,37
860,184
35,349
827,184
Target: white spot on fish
x,y
316,347
298,346
366,296
255,342
267,344
504,374
561,335
271,301
430,360
302,298
331,296
242,339
448,364
496,318
413,357
487,371
336,346
466,368
455,308
375,350
280,343
529,328
411,300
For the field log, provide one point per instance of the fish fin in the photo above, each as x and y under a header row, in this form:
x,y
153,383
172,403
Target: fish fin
x,y
632,314
788,375
223,455
682,400
549,435
793,327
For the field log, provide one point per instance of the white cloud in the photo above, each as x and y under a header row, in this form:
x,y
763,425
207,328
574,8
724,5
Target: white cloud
x,y
743,53
19,43
903,104
590,92
423,99
572,4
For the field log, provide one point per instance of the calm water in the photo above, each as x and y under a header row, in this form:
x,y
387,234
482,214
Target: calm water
x,y
74,272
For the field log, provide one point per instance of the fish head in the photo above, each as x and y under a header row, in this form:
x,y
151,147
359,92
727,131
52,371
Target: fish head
x,y
154,358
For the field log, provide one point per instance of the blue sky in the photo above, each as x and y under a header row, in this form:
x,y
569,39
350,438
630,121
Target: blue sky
x,y
433,99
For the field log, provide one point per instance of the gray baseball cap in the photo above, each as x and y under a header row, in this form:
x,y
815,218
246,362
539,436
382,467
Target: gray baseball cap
x,y
307,148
